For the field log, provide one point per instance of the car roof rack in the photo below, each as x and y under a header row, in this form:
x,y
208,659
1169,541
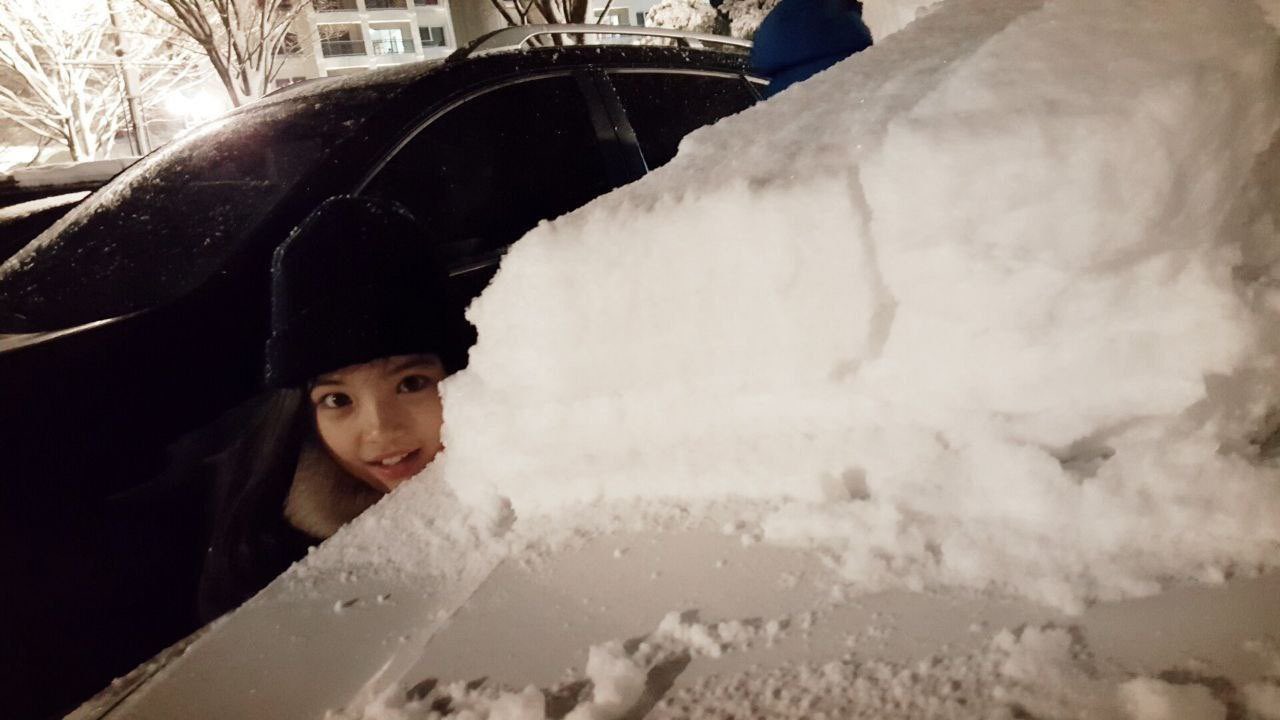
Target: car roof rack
x,y
519,36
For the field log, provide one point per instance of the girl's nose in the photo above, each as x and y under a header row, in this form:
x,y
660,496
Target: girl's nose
x,y
382,420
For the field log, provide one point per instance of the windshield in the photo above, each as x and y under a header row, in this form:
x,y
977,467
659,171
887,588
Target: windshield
x,y
169,222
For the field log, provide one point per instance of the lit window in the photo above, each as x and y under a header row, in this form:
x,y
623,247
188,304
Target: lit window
x,y
431,36
390,41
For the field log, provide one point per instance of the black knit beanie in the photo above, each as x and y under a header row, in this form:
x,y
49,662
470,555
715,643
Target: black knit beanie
x,y
359,281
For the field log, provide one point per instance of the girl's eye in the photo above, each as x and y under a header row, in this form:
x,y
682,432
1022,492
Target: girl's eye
x,y
334,401
414,383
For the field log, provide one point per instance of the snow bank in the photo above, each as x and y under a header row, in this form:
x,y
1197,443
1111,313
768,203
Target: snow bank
x,y
990,304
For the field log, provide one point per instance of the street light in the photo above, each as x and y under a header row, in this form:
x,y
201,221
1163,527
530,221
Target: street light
x,y
195,107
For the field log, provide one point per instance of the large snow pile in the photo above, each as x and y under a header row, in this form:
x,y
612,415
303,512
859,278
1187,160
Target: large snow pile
x,y
990,304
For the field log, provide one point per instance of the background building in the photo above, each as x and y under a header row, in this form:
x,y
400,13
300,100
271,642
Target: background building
x,y
629,12
328,38
345,37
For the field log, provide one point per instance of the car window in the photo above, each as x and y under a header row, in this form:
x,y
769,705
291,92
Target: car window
x,y
483,173
169,222
664,107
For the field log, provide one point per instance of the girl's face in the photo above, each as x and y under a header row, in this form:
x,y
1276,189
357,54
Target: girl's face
x,y
381,420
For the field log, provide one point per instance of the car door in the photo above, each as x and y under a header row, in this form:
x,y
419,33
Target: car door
x,y
483,170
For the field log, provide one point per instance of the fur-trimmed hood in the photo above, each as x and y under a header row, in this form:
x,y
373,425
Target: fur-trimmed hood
x,y
323,497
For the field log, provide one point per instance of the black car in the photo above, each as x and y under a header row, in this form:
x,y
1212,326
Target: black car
x,y
140,317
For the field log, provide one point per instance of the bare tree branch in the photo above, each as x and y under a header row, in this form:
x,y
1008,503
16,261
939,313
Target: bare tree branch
x,y
505,15
60,81
531,12
241,38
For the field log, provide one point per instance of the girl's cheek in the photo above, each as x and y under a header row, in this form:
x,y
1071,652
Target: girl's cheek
x,y
336,434
429,398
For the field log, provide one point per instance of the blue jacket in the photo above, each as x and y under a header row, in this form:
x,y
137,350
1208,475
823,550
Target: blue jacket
x,y
800,38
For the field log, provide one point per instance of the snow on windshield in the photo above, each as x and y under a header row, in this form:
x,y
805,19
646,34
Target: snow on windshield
x,y
990,305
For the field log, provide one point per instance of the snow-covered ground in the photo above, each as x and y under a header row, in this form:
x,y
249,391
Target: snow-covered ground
x,y
983,317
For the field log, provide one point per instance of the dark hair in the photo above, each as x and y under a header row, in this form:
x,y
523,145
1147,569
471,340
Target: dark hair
x,y
251,542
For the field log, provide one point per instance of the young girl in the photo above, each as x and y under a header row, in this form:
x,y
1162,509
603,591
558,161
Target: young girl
x,y
363,328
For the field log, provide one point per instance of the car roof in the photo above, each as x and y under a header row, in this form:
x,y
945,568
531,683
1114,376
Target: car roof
x,y
384,99
503,62
517,37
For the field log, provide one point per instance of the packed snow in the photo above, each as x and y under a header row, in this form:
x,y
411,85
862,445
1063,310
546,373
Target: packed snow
x,y
992,306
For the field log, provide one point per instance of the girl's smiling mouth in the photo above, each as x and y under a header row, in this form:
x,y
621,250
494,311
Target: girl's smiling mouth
x,y
398,466
393,459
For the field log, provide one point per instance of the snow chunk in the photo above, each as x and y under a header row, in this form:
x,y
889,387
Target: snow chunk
x,y
1151,699
618,683
528,704
696,636
683,632
1262,698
